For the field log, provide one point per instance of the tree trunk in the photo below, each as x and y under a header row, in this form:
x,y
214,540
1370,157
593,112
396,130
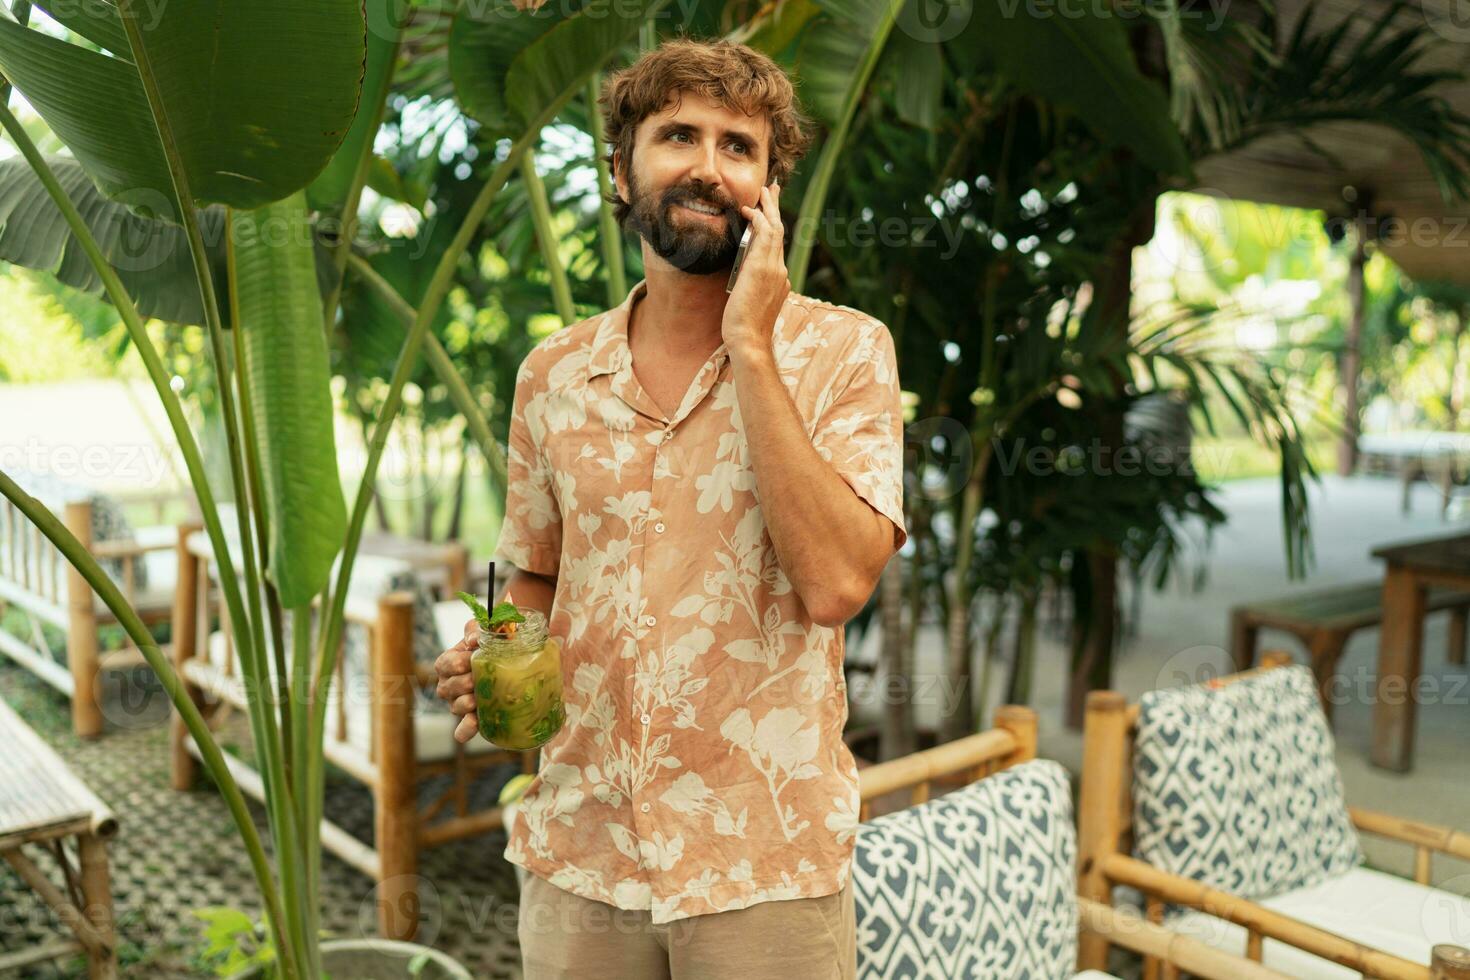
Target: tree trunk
x,y
460,485
1023,664
1352,356
897,735
1092,634
1455,402
961,720
1092,653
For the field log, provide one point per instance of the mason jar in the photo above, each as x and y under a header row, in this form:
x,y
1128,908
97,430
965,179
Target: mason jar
x,y
518,692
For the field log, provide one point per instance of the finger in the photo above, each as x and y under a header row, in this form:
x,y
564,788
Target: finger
x,y
452,662
471,632
466,729
453,687
463,705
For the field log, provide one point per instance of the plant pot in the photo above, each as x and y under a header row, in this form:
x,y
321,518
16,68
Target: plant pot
x,y
378,959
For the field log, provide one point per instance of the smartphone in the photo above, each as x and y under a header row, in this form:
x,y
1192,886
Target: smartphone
x,y
739,258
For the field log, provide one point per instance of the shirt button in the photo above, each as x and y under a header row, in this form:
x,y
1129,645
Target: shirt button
x,y
646,719
649,620
659,527
645,808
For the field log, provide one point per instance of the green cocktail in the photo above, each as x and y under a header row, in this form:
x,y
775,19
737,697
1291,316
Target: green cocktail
x,y
518,693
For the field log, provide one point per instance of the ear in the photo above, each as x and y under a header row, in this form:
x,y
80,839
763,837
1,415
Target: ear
x,y
619,184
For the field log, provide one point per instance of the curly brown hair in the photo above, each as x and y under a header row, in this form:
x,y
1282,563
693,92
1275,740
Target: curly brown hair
x,y
723,72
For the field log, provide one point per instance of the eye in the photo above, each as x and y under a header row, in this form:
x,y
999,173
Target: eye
x,y
741,146
678,135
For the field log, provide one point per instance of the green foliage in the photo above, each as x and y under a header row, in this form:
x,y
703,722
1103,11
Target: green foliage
x,y
233,942
505,612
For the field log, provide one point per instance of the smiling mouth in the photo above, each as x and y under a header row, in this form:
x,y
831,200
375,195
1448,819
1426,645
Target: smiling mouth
x,y
699,209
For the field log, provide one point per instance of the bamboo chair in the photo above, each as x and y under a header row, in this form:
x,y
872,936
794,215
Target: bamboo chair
x,y
1010,743
1105,859
38,581
389,758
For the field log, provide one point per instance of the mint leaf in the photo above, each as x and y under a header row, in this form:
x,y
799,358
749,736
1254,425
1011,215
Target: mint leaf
x,y
506,612
482,616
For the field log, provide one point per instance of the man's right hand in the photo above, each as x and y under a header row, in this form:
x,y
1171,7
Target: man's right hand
x,y
457,683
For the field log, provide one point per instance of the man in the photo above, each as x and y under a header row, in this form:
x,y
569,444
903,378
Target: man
x,y
703,488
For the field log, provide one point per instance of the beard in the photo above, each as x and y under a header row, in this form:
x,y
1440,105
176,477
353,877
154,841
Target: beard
x,y
699,248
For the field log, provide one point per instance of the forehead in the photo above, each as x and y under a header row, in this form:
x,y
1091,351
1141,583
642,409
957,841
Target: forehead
x,y
700,112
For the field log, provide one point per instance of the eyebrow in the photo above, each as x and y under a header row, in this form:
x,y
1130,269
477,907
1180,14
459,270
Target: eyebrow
x,y
669,128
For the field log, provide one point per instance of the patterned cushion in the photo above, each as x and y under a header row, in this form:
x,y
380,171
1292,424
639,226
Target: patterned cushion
x,y
1237,787
980,882
109,523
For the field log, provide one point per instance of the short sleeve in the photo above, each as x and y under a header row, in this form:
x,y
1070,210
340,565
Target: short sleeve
x,y
860,432
530,535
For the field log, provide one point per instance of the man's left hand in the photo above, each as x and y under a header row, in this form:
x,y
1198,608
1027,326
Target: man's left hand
x,y
762,286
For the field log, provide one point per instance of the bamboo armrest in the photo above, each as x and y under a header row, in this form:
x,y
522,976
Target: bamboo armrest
x,y
1260,921
128,549
1133,932
1445,840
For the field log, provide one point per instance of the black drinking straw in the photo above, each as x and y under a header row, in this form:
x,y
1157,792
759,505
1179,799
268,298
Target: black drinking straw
x,y
490,589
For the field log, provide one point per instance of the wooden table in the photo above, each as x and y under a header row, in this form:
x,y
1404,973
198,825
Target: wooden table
x,y
43,804
440,564
1412,568
1438,458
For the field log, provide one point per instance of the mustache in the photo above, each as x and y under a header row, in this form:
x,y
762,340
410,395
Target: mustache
x,y
689,197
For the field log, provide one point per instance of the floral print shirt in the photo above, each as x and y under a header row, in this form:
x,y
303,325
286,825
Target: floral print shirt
x,y
701,766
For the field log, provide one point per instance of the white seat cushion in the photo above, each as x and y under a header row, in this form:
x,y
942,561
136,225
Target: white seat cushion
x,y
450,618
1388,913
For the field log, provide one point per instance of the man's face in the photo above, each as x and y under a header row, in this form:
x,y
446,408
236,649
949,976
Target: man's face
x,y
694,164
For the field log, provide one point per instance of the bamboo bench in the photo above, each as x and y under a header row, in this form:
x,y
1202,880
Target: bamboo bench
x,y
1325,620
43,804
1106,832
40,584
1012,743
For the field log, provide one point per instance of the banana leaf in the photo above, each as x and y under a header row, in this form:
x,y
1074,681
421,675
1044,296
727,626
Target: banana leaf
x,y
151,257
233,112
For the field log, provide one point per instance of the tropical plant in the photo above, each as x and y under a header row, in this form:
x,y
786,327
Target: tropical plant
x,y
198,115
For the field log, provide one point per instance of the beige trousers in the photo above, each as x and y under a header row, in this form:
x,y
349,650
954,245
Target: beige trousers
x,y
567,937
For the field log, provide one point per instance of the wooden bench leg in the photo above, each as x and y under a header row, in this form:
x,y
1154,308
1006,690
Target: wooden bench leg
x,y
97,901
1243,635
1458,617
1326,648
1400,655
81,632
185,637
395,816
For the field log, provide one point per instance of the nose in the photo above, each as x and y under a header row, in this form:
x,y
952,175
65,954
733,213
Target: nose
x,y
705,167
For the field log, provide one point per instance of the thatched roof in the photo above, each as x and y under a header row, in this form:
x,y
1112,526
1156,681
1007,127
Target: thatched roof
x,y
1431,240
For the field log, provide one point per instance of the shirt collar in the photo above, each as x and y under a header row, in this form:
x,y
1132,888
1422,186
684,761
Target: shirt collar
x,y
610,350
